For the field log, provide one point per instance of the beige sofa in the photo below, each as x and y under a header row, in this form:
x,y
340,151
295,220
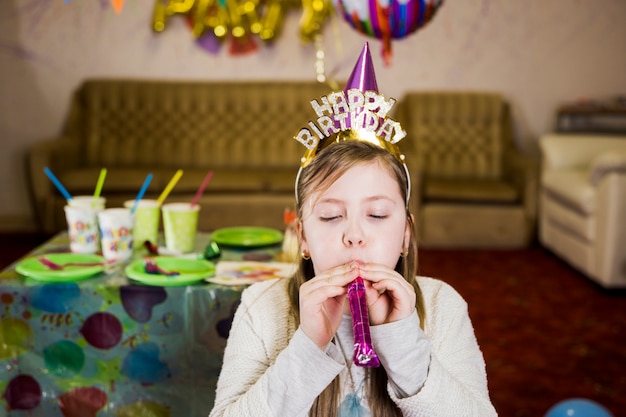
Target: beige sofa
x,y
241,130
583,203
473,187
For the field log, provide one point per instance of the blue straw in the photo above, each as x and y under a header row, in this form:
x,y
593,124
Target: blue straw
x,y
142,191
57,183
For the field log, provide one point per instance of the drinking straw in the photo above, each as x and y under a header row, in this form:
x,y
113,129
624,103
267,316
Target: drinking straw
x,y
169,186
98,190
205,182
57,183
142,191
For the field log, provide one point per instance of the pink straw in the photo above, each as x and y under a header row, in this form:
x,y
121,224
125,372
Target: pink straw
x,y
204,184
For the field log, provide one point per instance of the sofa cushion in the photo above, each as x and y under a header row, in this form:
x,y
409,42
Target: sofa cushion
x,y
455,134
571,187
470,190
476,225
169,124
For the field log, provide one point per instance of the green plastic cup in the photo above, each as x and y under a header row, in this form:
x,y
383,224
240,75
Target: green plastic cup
x,y
180,223
147,216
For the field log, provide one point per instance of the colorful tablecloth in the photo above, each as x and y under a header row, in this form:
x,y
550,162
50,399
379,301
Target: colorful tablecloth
x,y
108,347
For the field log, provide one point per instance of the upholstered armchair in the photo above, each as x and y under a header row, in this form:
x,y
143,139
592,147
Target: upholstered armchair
x,y
472,186
583,203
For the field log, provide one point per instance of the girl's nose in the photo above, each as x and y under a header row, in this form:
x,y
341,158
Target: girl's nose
x,y
353,236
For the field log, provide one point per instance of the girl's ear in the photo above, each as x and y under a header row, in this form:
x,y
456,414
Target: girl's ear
x,y
408,231
301,237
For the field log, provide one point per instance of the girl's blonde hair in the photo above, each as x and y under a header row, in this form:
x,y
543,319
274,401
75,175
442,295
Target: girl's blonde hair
x,y
321,173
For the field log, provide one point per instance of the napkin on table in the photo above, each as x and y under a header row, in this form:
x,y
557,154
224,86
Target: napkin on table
x,y
249,272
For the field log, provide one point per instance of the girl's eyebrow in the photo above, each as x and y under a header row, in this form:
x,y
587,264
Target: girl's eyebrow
x,y
329,200
379,197
373,198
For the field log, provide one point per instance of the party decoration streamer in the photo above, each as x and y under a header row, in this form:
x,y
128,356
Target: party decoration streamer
x,y
117,5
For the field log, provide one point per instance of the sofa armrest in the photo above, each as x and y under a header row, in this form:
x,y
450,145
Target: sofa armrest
x,y
605,164
573,151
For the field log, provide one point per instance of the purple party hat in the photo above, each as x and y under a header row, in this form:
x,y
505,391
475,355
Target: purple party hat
x,y
363,77
358,113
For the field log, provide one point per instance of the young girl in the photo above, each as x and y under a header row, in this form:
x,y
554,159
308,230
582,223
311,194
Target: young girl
x,y
290,349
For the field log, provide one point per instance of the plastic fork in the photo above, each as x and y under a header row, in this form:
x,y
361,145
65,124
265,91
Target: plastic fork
x,y
57,267
151,267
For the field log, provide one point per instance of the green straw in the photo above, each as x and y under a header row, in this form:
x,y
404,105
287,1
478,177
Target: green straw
x,y
98,190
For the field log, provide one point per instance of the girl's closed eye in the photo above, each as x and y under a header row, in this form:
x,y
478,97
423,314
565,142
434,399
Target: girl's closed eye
x,y
330,218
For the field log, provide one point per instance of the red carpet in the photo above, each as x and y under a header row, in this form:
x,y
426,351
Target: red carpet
x,y
547,332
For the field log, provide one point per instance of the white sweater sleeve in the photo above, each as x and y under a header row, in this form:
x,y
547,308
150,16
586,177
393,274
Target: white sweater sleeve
x,y
456,384
267,368
404,352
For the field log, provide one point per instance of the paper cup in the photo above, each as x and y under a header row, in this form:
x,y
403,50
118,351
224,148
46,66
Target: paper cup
x,y
116,233
180,223
87,201
147,216
82,229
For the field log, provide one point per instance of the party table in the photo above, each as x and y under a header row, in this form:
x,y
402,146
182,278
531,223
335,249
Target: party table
x,y
108,346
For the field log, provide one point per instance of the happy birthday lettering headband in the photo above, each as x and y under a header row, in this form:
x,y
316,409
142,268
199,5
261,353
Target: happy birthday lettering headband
x,y
358,113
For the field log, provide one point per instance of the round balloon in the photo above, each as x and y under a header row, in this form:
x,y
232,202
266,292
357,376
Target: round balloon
x,y
387,19
578,407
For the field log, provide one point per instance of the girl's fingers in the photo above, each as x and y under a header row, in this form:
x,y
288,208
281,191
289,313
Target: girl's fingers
x,y
390,297
336,277
382,277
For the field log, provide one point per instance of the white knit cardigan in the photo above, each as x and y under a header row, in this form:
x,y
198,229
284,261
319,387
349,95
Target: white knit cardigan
x,y
272,369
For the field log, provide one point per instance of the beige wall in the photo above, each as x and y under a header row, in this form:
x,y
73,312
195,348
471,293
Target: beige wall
x,y
538,53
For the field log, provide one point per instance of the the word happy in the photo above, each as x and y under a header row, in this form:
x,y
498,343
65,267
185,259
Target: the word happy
x,y
357,110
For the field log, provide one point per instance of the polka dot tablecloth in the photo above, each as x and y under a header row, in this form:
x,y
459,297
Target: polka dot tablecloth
x,y
106,346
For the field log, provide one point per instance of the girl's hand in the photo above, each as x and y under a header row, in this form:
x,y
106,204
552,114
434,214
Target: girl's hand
x,y
389,296
321,303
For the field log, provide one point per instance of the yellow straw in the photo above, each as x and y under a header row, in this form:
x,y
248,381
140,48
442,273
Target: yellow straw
x,y
169,187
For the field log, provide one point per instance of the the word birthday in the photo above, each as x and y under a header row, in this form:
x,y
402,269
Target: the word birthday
x,y
339,111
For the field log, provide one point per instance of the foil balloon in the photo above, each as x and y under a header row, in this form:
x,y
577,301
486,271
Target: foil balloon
x,y
314,15
387,19
272,19
240,21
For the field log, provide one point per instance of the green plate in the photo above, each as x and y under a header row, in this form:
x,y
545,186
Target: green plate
x,y
247,236
32,268
190,271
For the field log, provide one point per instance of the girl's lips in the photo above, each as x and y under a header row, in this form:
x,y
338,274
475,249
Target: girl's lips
x,y
356,263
